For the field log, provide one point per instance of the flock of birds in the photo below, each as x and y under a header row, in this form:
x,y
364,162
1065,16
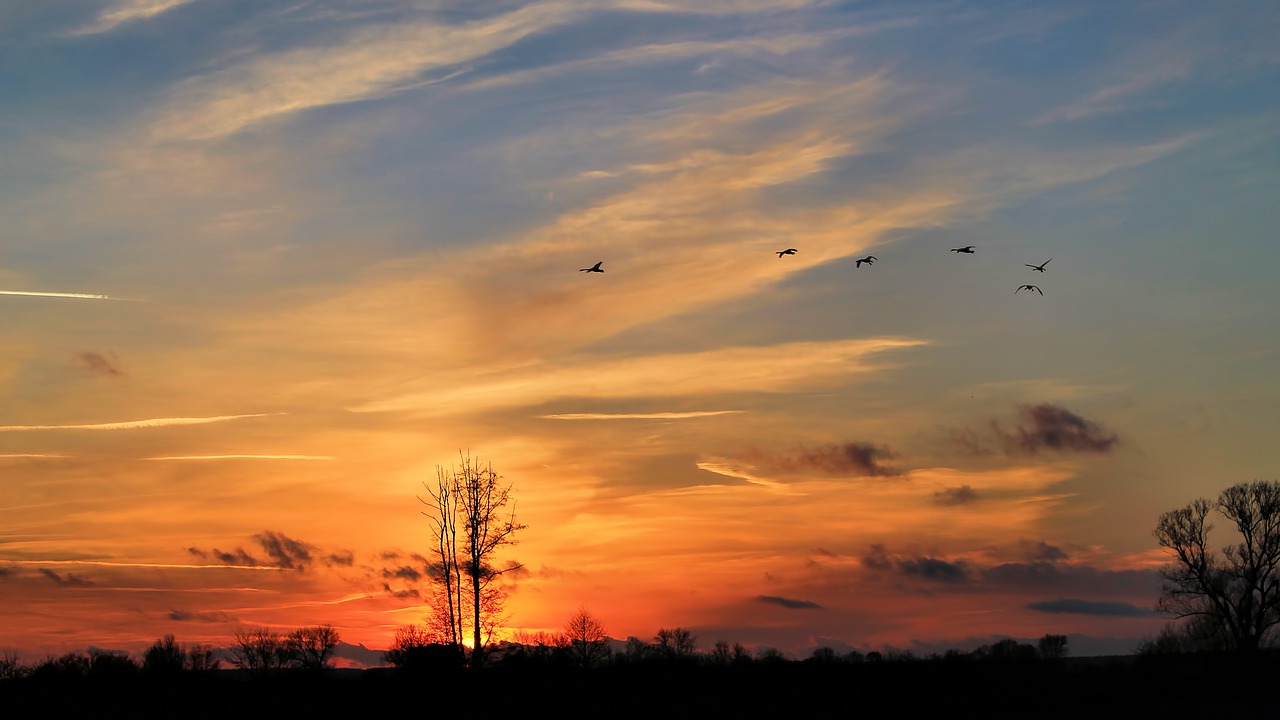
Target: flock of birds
x,y
966,250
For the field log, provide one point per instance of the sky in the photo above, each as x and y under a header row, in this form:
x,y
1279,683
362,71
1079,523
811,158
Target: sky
x,y
266,265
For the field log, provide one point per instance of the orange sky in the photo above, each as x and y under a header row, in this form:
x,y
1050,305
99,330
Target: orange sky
x,y
265,268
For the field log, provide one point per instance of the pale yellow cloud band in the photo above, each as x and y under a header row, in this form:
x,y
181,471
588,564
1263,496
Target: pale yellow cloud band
x,y
773,368
133,424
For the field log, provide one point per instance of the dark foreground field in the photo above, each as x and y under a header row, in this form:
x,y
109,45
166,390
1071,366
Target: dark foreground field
x,y
1184,687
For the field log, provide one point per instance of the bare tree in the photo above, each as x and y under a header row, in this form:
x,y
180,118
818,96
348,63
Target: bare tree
x,y
587,637
1052,647
472,516
311,648
202,658
675,644
165,656
259,650
1238,589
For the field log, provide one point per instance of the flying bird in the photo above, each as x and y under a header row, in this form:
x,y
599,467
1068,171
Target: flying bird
x,y
967,249
788,251
1040,267
594,268
1028,287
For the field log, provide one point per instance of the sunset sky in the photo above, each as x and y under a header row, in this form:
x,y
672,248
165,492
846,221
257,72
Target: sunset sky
x,y
266,264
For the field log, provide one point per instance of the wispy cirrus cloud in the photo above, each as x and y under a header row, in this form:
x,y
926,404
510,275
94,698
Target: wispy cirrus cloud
x,y
641,416
730,370
134,424
244,457
370,62
125,11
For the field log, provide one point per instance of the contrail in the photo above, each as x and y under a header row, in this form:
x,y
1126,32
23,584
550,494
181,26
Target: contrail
x,y
131,424
640,416
82,296
243,457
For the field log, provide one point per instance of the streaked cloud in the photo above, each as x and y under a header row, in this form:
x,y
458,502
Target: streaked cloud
x,y
1090,607
789,603
369,63
120,12
135,424
731,370
33,293
242,457
641,416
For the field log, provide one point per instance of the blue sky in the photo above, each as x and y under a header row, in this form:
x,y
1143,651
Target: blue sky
x,y
340,242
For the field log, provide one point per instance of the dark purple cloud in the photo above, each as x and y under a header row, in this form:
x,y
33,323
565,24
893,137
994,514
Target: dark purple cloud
x,y
106,365
1091,607
202,617
858,459
961,495
788,603
1043,427
68,580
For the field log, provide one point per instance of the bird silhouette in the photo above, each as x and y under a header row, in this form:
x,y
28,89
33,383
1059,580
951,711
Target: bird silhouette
x,y
1040,267
1028,287
594,268
868,260
967,249
788,251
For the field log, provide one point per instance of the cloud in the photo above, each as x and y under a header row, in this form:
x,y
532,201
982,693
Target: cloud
x,y
640,416
1041,551
285,552
404,572
345,558
1042,427
928,568
788,602
372,62
133,424
107,365
68,580
857,459
124,11
1052,427
773,368
1090,607
920,566
201,617
243,457
33,293
955,495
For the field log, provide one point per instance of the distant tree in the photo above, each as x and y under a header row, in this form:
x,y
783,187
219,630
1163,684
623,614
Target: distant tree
x,y
1193,635
311,648
636,650
473,516
823,656
1009,649
259,650
769,655
588,641
721,653
1237,589
1052,647
675,644
10,667
111,663
202,658
165,656
64,667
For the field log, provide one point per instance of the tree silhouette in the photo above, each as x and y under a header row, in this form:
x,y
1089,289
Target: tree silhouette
x,y
164,656
587,638
1238,589
1052,647
260,650
311,648
472,516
